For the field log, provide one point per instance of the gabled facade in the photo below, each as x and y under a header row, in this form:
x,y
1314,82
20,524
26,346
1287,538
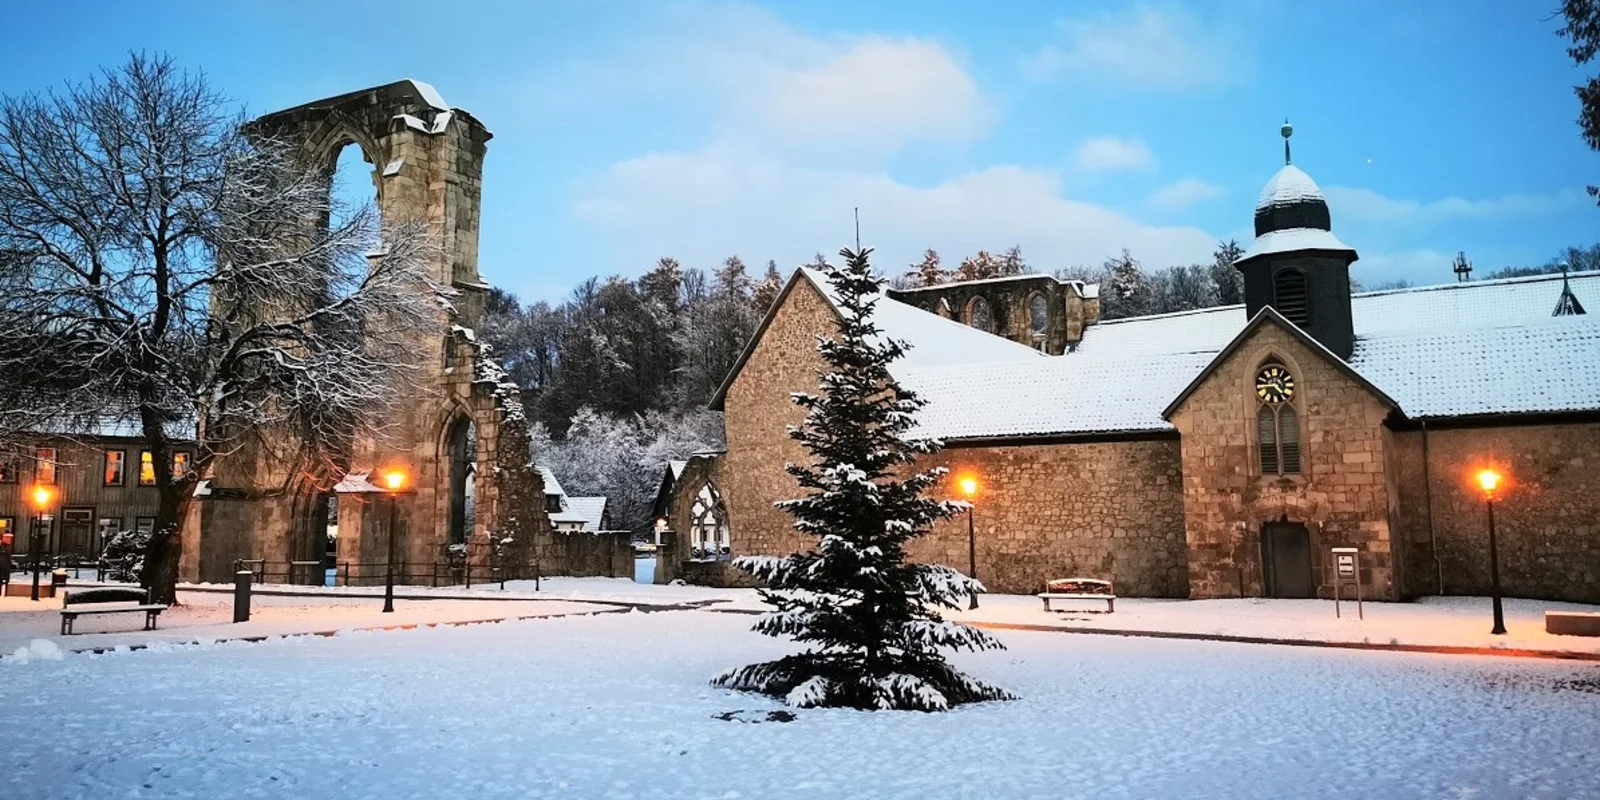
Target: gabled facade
x,y
1221,452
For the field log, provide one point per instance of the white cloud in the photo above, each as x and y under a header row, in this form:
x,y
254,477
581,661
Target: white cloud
x,y
1143,47
761,79
1184,193
1369,206
704,205
889,90
1109,153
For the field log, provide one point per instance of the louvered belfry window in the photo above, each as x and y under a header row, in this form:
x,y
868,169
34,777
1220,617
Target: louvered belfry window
x,y
1289,296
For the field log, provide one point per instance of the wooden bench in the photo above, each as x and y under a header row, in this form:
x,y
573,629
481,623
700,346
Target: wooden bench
x,y
1079,589
108,600
1572,623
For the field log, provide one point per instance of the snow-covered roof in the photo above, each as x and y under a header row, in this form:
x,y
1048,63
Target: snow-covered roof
x,y
429,95
551,485
1460,349
1549,366
1290,185
677,468
590,509
933,339
1292,239
1069,395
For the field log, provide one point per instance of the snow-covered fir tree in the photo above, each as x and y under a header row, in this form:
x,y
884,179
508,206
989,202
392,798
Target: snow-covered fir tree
x,y
867,617
928,271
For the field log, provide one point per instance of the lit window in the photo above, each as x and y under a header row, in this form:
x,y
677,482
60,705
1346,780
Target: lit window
x,y
116,467
708,533
147,469
180,464
45,465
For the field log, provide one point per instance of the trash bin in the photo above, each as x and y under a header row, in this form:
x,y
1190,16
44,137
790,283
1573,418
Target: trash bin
x,y
58,580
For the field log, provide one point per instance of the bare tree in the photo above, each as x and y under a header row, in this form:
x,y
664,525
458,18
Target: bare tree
x,y
167,270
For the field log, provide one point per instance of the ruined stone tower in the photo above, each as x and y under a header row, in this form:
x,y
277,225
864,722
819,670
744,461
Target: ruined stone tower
x,y
427,165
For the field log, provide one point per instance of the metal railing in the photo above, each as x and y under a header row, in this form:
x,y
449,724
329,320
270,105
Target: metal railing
x,y
347,573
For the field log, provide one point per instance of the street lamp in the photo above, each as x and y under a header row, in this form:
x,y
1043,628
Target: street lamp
x,y
1488,480
969,487
394,480
42,497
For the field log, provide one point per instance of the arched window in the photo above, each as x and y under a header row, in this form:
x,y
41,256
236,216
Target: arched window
x,y
1277,424
1289,296
708,530
1038,315
980,315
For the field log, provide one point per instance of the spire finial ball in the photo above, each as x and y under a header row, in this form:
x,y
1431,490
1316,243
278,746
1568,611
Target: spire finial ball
x,y
1287,130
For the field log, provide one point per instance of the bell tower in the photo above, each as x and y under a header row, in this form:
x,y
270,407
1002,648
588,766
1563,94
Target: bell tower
x,y
1296,264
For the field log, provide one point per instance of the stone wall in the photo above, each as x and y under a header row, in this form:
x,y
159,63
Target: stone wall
x,y
757,411
673,560
604,555
1111,510
1547,518
427,166
1068,311
1343,494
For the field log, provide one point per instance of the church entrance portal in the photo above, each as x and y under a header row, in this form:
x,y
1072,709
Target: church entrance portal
x,y
1286,559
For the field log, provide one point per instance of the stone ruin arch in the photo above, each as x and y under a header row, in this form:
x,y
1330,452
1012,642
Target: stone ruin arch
x,y
427,161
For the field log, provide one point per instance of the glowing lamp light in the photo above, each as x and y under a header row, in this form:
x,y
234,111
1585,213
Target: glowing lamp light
x,y
42,497
394,479
1487,480
969,486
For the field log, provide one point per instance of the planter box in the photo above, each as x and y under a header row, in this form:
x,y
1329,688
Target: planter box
x,y
25,588
1572,623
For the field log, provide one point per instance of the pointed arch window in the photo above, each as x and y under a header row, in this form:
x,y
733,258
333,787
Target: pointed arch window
x,y
980,315
1038,315
708,528
1277,423
1290,297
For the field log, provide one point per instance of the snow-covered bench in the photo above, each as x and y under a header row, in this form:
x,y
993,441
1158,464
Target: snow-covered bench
x,y
1079,589
108,600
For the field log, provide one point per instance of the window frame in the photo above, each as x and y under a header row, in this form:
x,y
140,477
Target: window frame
x,y
1271,457
972,314
181,454
40,461
144,524
1304,284
8,471
710,536
147,457
122,467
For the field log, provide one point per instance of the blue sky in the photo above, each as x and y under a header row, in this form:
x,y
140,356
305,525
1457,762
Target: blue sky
x,y
627,130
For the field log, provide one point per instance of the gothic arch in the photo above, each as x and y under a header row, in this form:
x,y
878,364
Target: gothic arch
x,y
980,314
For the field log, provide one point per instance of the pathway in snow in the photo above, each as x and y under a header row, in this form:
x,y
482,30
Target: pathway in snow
x,y
617,706
207,617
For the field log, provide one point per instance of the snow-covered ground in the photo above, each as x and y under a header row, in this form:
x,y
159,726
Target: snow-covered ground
x,y
617,706
1433,621
205,617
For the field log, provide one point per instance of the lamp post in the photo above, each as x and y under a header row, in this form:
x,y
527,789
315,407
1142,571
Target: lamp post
x,y
1487,480
969,487
42,496
393,480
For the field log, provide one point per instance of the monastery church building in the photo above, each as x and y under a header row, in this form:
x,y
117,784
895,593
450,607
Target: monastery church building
x,y
1212,453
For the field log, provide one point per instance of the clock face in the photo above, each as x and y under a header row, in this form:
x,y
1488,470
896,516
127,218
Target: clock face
x,y
1274,384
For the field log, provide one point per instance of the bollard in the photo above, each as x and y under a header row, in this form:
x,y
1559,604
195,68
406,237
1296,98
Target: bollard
x,y
241,595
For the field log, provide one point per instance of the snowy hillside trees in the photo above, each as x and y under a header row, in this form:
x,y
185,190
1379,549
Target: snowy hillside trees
x,y
161,274
874,640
